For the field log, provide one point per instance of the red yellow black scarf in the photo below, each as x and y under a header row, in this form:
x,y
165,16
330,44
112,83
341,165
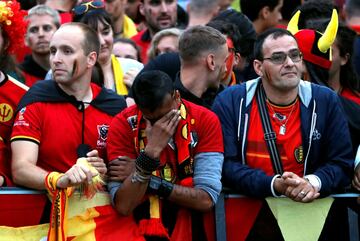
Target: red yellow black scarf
x,y
182,139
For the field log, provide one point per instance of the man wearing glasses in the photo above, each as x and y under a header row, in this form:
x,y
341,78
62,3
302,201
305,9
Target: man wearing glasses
x,y
282,135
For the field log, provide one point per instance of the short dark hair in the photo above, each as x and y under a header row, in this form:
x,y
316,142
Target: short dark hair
x,y
194,41
93,17
245,27
228,29
90,41
251,8
273,33
314,9
150,88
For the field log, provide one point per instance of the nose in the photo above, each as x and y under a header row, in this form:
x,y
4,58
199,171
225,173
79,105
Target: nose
x,y
55,58
289,61
41,31
164,7
101,39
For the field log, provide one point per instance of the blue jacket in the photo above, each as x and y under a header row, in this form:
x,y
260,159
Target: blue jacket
x,y
328,153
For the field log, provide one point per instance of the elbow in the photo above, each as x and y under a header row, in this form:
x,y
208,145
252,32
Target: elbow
x,y
207,205
16,176
123,208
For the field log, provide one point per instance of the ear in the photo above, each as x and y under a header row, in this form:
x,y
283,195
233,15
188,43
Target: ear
x,y
177,96
345,59
141,9
264,12
210,61
238,59
91,60
258,67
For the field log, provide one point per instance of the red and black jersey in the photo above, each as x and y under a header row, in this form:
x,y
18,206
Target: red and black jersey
x,y
58,123
205,124
289,145
11,91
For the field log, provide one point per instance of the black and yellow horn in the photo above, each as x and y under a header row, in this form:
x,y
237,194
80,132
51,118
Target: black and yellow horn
x,y
293,23
329,35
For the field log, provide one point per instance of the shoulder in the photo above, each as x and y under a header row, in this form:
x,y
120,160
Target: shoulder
x,y
200,113
109,102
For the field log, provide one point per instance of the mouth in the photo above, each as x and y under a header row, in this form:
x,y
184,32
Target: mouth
x,y
164,20
289,73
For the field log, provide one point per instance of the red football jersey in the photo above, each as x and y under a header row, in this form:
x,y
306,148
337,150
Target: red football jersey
x,y
57,129
289,145
11,92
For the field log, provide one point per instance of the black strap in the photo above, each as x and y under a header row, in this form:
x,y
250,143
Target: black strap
x,y
269,134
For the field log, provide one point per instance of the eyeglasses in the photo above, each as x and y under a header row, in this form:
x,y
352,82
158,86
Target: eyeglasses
x,y
280,57
86,6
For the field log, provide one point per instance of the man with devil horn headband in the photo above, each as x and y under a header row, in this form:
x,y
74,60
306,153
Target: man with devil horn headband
x,y
283,135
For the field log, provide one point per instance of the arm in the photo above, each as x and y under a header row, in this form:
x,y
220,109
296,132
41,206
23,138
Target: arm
x,y
334,162
24,169
207,183
133,189
26,173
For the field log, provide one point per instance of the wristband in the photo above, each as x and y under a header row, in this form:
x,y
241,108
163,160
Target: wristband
x,y
160,187
140,177
146,164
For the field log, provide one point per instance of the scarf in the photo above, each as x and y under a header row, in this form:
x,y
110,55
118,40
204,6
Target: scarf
x,y
183,169
120,86
58,218
129,28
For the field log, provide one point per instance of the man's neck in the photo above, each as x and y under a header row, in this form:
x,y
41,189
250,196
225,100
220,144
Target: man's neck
x,y
119,25
334,82
80,89
194,21
42,60
280,97
193,82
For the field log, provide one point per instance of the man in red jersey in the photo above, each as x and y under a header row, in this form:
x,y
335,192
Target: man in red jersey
x,y
178,150
58,117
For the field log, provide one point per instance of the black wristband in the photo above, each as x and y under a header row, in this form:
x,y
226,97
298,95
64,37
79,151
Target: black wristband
x,y
146,164
160,187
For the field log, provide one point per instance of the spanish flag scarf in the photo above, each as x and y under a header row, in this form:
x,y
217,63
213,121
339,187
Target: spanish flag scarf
x,y
182,139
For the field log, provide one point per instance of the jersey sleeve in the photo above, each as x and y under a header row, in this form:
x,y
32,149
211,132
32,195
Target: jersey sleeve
x,y
120,138
209,132
27,124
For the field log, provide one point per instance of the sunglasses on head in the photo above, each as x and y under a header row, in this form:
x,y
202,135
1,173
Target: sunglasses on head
x,y
86,6
280,57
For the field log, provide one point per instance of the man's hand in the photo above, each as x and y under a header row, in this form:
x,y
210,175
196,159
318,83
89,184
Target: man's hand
x,y
121,168
97,162
158,135
356,179
2,180
299,189
76,175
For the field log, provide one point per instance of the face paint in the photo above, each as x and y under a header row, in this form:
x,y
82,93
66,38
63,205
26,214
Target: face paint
x,y
230,59
74,69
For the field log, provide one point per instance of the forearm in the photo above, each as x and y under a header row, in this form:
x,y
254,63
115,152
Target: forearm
x,y
193,198
129,195
29,175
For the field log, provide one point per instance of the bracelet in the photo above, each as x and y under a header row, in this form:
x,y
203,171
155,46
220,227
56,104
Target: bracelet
x,y
146,164
140,177
160,187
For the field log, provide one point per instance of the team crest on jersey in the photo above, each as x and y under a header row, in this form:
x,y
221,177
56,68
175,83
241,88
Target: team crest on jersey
x,y
103,133
132,120
6,112
299,155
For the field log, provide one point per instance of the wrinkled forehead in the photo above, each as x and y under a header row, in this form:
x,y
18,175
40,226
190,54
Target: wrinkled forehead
x,y
283,43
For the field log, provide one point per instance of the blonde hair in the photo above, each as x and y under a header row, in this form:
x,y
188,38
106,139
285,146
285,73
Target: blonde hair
x,y
157,38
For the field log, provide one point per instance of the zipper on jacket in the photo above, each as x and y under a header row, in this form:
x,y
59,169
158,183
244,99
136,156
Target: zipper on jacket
x,y
244,138
312,129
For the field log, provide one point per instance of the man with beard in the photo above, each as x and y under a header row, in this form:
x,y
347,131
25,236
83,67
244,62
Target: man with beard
x,y
43,22
159,14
